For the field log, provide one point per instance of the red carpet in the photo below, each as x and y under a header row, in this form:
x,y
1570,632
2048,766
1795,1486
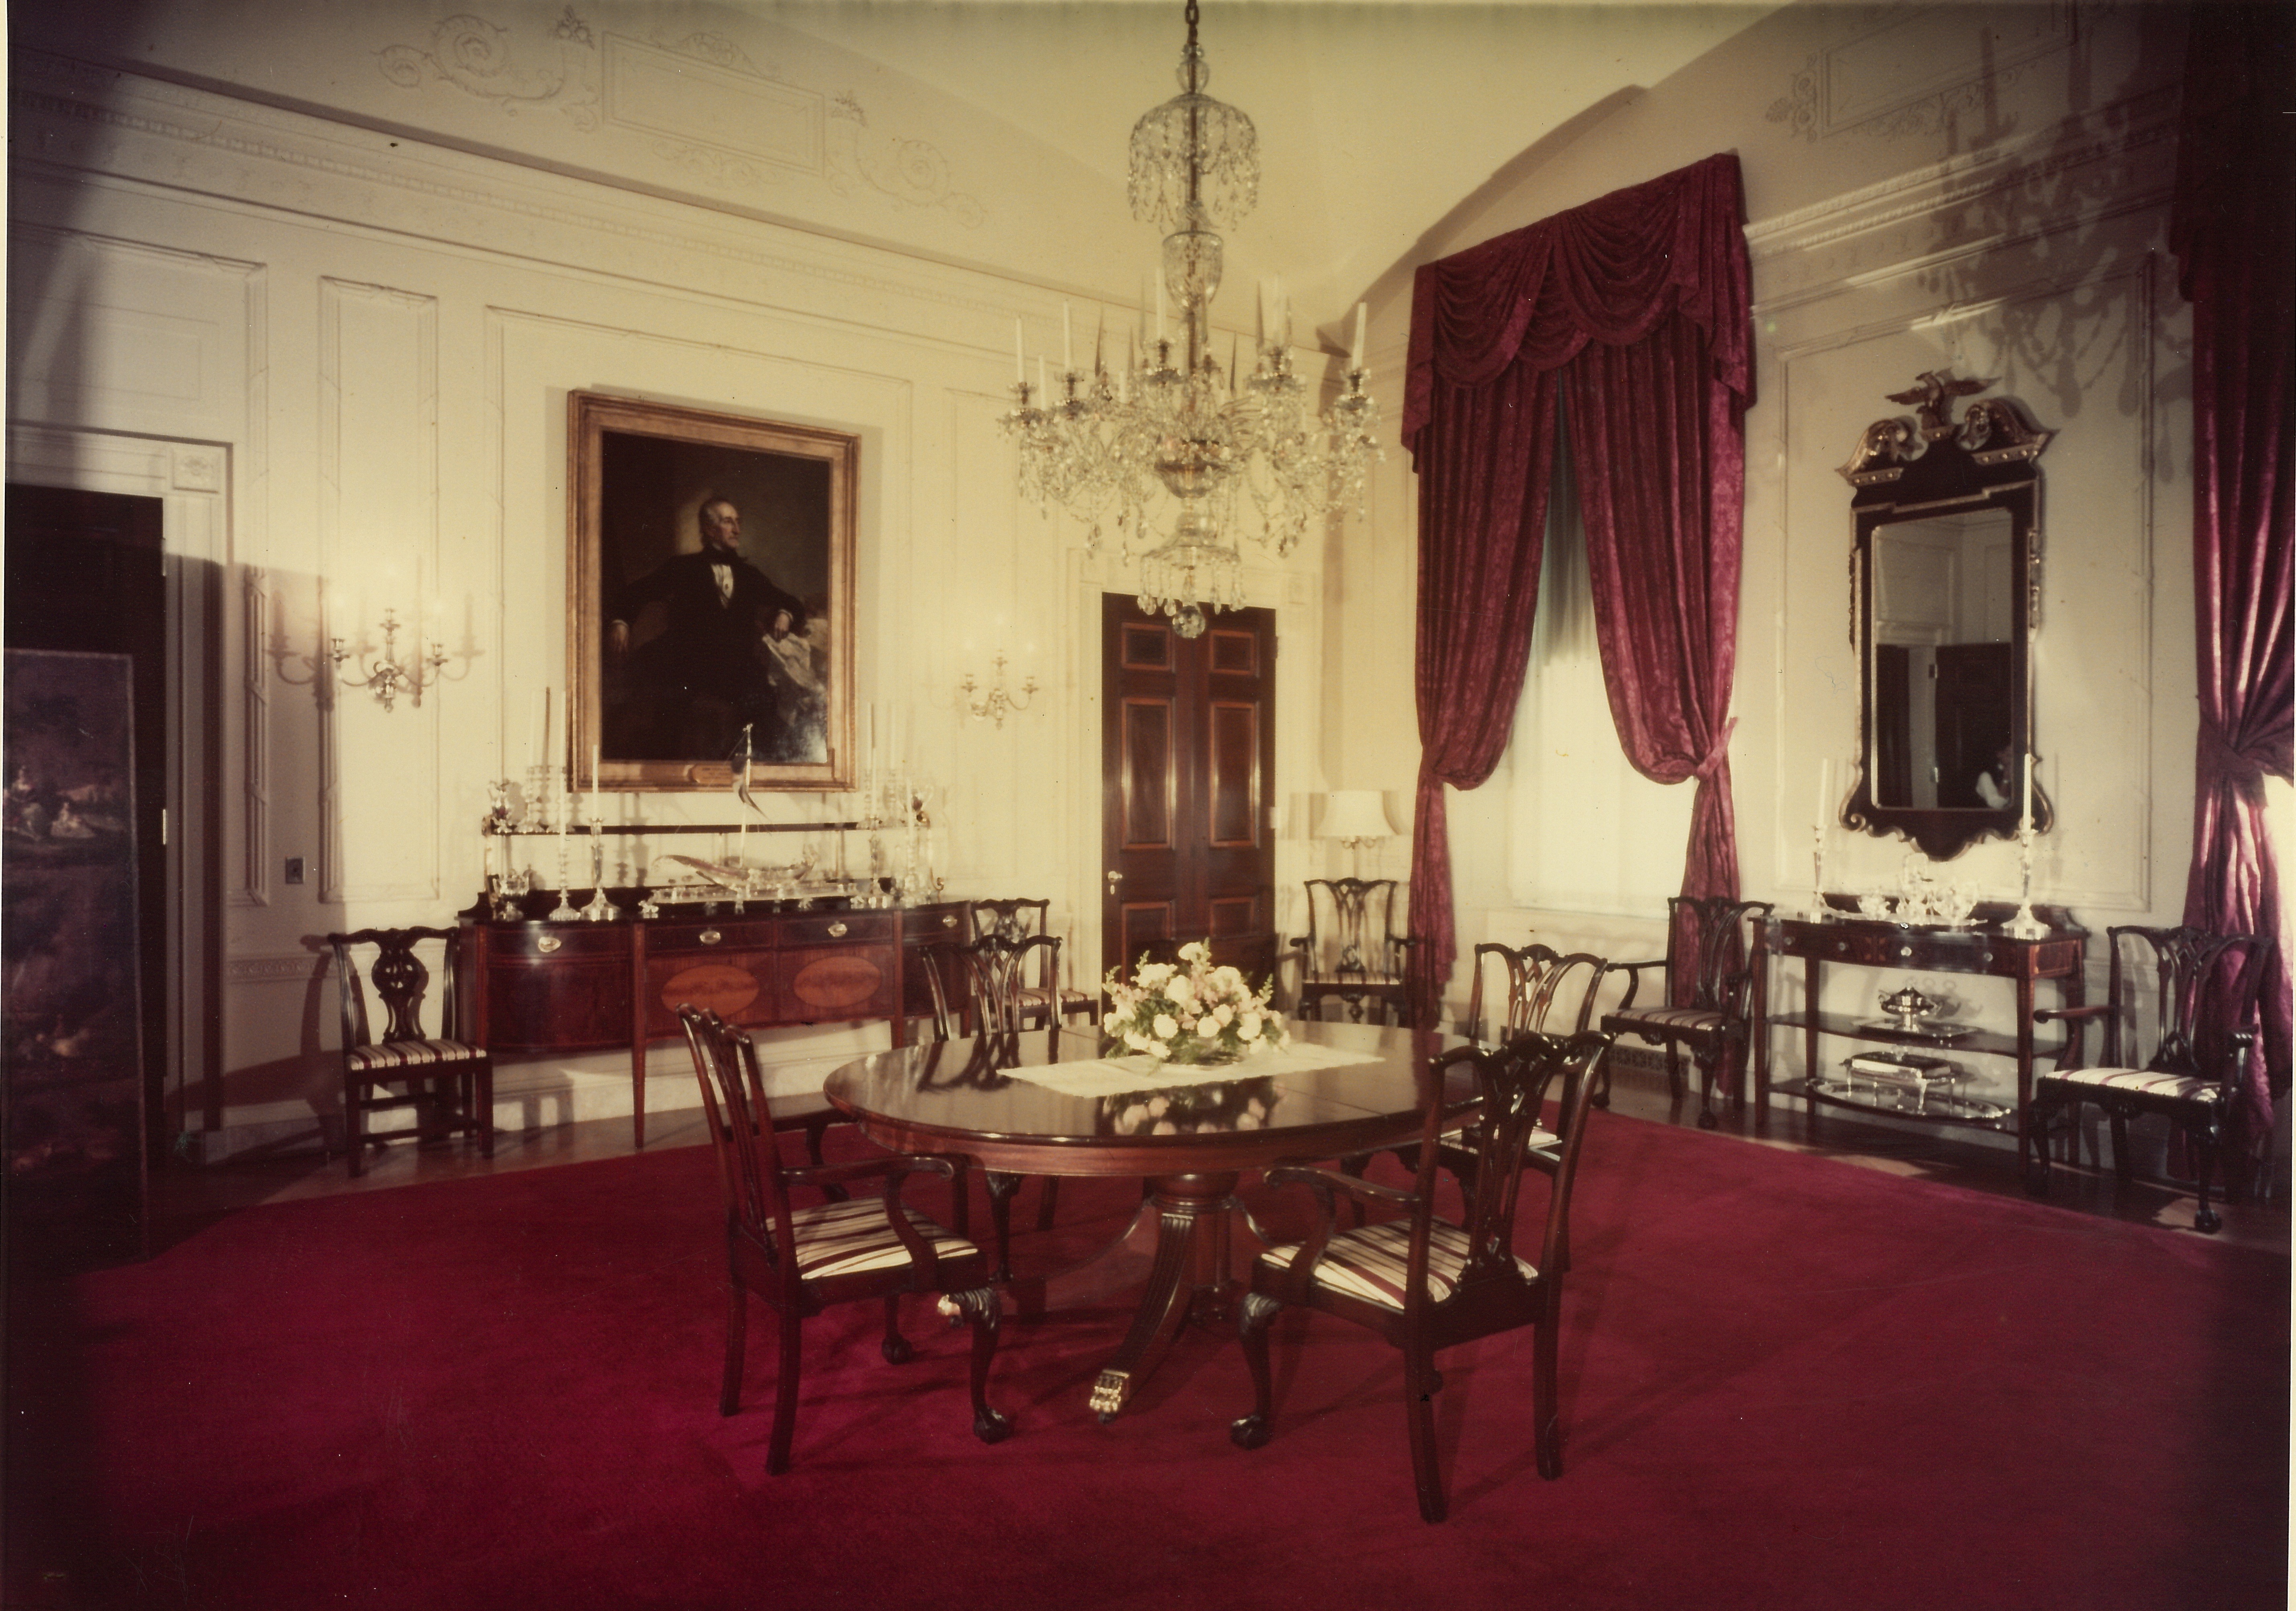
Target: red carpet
x,y
1786,1382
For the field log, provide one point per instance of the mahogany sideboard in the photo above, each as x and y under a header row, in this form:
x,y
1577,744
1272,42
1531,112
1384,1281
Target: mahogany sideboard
x,y
542,987
1981,947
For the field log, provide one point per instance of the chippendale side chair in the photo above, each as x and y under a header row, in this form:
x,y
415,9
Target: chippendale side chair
x,y
1705,1003
1019,919
1352,950
2176,1044
1424,1282
999,994
800,1262
448,1078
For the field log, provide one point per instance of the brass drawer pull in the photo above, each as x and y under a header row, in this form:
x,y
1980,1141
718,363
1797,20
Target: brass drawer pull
x,y
837,931
710,936
949,922
547,943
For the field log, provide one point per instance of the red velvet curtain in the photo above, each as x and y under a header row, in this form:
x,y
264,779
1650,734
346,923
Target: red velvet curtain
x,y
2233,228
1637,304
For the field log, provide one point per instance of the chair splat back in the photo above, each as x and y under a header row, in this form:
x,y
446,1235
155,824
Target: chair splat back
x,y
2192,972
1535,981
1015,919
400,981
740,1125
1708,961
1515,1081
1001,979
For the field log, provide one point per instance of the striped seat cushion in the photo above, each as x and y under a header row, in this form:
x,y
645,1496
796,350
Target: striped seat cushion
x,y
840,1239
2141,1082
412,1056
1679,1020
1369,1262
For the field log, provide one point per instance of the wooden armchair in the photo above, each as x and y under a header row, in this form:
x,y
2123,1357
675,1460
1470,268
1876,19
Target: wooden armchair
x,y
799,1261
1352,948
1705,1004
1423,1282
2174,1043
1019,918
448,1079
997,994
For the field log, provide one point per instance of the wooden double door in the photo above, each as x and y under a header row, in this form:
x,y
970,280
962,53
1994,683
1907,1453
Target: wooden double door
x,y
1188,764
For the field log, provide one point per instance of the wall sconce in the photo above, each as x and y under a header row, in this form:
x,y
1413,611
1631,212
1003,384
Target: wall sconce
x,y
385,675
996,703
1355,817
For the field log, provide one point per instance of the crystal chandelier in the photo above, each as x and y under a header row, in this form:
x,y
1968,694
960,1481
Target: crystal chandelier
x,y
1168,414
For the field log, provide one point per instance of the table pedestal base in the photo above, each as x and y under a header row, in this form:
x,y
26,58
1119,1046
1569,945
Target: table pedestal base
x,y
1190,1278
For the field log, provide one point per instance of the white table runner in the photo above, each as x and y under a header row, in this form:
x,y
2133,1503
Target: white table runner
x,y
1116,1076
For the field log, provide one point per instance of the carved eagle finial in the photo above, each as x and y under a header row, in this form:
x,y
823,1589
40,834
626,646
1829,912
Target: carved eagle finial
x,y
1932,395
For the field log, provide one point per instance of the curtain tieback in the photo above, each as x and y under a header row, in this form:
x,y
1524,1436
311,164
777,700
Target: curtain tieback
x,y
1717,757
2218,759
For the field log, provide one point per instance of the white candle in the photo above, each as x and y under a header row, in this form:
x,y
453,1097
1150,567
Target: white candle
x,y
596,815
1355,356
2025,817
1020,364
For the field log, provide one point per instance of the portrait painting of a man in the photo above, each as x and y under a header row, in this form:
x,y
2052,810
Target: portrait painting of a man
x,y
717,599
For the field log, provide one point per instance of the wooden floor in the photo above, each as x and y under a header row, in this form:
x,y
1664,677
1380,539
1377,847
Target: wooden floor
x,y
185,1196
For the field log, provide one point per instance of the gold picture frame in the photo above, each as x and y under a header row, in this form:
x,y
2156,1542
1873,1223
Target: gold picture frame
x,y
687,627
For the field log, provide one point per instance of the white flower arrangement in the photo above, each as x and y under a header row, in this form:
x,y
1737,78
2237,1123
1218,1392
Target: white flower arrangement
x,y
1193,1012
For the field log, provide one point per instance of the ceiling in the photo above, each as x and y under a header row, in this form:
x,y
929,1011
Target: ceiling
x,y
1376,119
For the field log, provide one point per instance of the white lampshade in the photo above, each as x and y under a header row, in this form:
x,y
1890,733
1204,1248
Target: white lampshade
x,y
1355,813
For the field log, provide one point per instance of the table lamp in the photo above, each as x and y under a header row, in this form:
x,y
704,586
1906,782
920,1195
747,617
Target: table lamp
x,y
1355,817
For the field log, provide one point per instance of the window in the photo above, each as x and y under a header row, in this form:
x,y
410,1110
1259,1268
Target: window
x,y
1588,833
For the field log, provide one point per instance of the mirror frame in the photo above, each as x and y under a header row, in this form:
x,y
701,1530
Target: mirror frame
x,y
1931,467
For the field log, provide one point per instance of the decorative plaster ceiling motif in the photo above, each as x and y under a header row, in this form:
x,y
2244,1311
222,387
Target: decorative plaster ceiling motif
x,y
699,104
1919,71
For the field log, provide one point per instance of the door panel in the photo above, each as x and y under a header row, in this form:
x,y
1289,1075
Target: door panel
x,y
1189,748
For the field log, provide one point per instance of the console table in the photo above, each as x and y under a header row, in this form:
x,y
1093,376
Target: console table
x,y
536,985
1979,947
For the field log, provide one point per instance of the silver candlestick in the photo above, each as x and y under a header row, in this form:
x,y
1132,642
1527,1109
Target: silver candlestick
x,y
2025,924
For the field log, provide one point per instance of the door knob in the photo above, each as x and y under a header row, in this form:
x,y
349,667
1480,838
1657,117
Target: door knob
x,y
1114,878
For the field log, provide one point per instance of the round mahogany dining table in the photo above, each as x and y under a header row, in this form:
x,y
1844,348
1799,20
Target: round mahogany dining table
x,y
957,1097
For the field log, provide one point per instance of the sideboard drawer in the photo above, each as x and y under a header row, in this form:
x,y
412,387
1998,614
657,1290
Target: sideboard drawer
x,y
841,928
687,936
556,941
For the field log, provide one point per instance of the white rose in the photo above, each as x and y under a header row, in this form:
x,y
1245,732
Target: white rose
x,y
1159,1050
1248,1025
1195,951
1166,1027
1182,990
1136,1040
1223,1014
